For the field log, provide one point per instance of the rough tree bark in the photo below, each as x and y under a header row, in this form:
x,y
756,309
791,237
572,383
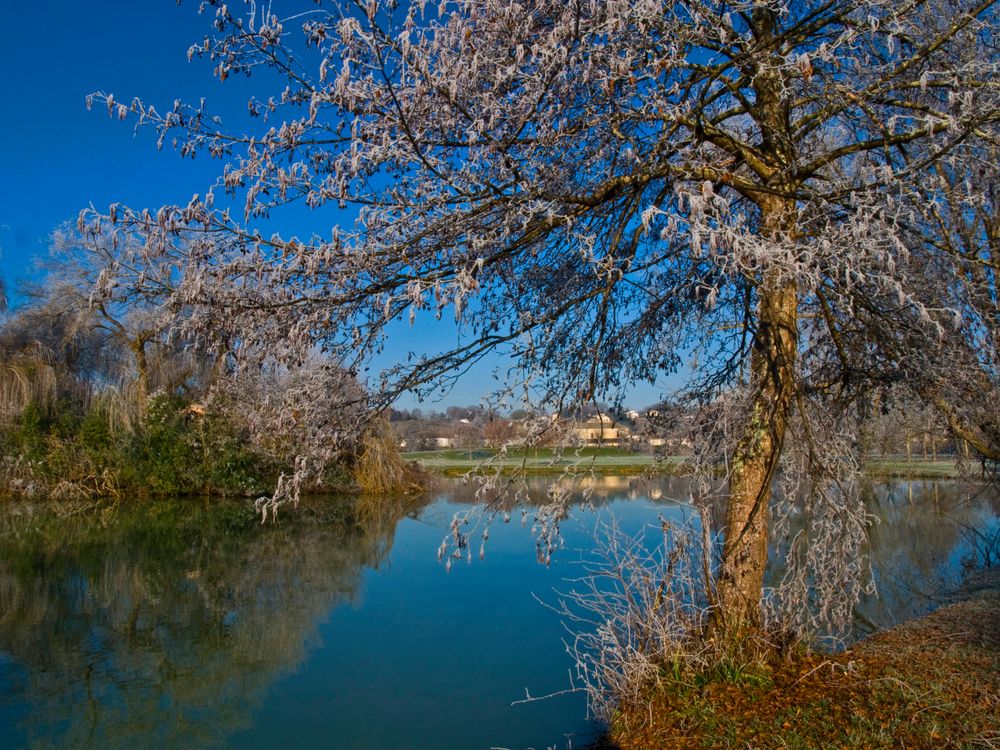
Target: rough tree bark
x,y
755,458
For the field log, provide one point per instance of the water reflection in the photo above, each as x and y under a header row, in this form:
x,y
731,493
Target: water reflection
x,y
164,630
585,490
925,537
187,625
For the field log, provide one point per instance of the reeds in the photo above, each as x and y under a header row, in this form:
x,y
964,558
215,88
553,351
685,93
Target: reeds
x,y
380,470
28,378
637,615
120,405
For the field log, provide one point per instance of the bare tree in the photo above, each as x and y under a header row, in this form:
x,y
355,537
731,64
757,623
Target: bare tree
x,y
97,303
498,431
598,187
960,237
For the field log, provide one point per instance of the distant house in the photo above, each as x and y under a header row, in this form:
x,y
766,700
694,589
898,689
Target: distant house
x,y
443,442
671,443
601,430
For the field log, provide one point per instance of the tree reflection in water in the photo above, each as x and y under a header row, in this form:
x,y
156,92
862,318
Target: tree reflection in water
x,y
924,535
166,625
923,541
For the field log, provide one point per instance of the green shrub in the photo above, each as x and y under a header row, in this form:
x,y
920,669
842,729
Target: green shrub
x,y
173,451
229,466
26,438
160,456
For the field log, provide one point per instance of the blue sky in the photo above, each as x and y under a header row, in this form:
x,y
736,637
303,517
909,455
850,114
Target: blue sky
x,y
57,157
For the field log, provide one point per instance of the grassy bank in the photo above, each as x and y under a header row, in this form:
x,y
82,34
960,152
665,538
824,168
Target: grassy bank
x,y
897,467
75,451
930,683
542,461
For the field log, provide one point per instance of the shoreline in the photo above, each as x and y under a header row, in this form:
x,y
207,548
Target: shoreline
x,y
440,464
932,682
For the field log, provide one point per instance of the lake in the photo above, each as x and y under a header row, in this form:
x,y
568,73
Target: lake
x,y
185,624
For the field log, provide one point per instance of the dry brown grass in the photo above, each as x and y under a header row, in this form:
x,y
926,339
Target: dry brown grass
x,y
28,378
380,470
930,683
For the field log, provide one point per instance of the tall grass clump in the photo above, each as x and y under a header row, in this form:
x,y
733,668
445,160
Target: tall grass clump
x,y
26,379
379,469
637,616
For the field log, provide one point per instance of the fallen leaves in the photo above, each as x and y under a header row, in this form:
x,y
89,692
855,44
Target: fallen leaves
x,y
932,683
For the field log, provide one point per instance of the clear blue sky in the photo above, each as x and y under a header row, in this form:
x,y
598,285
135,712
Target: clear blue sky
x,y
57,157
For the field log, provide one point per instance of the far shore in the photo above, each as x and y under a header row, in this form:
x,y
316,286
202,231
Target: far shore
x,y
618,462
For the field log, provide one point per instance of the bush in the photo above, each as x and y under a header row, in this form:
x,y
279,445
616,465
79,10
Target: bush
x,y
26,438
229,466
173,450
159,457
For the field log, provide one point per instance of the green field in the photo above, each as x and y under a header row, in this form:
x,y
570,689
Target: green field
x,y
544,460
606,460
892,467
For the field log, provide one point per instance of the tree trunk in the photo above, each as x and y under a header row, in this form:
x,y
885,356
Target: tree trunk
x,y
138,347
980,440
772,363
755,459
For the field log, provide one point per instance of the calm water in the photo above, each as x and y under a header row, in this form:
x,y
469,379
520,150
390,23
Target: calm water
x,y
188,626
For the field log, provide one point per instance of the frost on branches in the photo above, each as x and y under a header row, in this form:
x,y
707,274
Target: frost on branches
x,y
601,188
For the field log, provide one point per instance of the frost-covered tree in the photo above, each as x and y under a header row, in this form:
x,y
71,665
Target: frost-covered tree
x,y
90,291
959,241
602,188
